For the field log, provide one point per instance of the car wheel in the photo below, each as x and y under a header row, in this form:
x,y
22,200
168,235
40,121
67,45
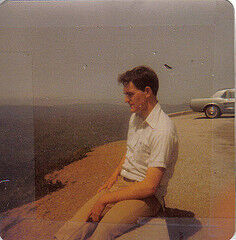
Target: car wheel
x,y
212,111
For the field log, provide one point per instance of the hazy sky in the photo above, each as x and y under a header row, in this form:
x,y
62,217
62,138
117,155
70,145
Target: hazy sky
x,y
76,49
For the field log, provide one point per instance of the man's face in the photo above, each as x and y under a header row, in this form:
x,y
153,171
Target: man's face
x,y
135,98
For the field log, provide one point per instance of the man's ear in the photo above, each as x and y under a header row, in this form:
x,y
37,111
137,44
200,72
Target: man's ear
x,y
148,91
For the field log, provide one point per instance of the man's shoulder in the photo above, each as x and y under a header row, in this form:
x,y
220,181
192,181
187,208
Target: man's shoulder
x,y
165,127
165,122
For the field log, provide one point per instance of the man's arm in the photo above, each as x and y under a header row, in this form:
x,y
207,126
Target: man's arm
x,y
109,183
137,190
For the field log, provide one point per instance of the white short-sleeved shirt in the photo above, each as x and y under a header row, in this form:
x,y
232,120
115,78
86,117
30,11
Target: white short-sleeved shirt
x,y
151,143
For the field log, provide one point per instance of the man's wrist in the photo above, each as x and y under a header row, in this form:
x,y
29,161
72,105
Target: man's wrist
x,y
104,199
120,169
117,173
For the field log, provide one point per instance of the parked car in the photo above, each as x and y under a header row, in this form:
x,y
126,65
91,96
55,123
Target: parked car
x,y
222,101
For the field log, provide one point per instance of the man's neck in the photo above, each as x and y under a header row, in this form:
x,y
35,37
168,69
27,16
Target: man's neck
x,y
150,106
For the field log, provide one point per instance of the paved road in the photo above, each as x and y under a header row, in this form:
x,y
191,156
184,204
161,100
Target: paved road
x,y
202,185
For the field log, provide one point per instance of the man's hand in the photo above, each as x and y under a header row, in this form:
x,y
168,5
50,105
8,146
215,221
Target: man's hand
x,y
95,213
109,183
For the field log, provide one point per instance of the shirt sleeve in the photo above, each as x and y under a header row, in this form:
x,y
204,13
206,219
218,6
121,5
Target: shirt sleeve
x,y
161,148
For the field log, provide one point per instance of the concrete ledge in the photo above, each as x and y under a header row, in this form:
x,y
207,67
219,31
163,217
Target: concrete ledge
x,y
156,228
167,229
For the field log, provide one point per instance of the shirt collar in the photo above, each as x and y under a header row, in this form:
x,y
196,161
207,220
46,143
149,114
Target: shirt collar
x,y
152,118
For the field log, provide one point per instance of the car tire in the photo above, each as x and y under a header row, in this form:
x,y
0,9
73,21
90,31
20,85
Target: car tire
x,y
212,111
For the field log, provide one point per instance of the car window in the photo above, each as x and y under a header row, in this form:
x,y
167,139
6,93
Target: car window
x,y
231,94
224,95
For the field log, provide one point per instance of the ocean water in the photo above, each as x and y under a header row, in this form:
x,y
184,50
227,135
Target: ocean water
x,y
37,140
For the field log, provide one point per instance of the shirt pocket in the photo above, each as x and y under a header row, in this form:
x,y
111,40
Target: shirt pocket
x,y
142,152
142,147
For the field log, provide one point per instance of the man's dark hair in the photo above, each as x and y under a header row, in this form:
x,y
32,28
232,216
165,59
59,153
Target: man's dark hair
x,y
141,77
